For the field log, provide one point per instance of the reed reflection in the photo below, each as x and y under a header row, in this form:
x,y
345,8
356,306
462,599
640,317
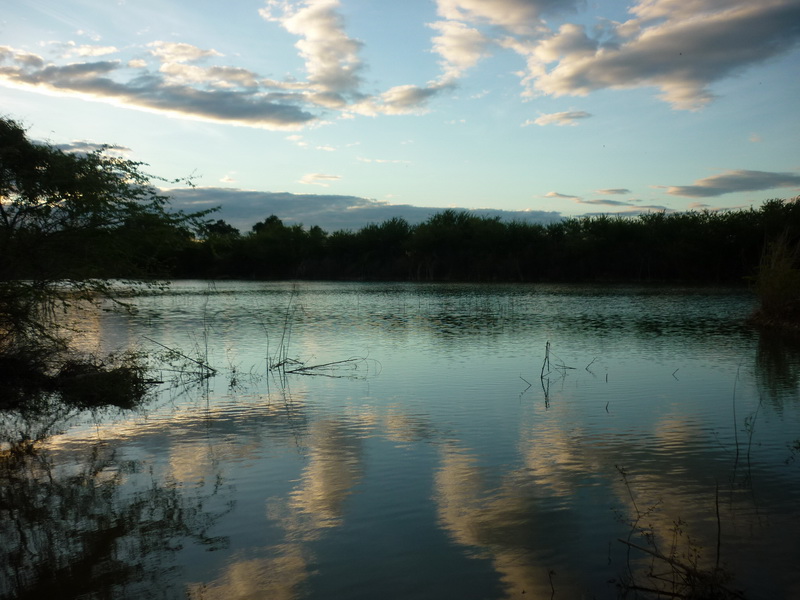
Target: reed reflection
x,y
72,526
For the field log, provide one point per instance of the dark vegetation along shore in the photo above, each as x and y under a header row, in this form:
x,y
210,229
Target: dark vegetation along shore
x,y
70,223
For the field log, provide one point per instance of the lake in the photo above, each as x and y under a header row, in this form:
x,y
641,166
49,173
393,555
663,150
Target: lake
x,y
373,440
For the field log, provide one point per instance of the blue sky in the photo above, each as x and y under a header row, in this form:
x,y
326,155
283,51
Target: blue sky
x,y
343,112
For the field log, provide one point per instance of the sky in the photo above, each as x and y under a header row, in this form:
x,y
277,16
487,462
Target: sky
x,y
340,113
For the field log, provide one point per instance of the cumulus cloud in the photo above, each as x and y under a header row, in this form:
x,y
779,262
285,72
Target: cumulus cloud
x,y
679,48
243,208
571,117
614,191
318,179
736,181
460,46
330,55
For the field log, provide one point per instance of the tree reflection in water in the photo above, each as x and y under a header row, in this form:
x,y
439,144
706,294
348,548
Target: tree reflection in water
x,y
82,530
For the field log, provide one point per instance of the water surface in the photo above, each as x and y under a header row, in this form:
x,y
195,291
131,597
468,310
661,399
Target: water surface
x,y
439,456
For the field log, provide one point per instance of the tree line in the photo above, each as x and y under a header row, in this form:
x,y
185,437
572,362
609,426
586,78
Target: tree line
x,y
92,216
456,245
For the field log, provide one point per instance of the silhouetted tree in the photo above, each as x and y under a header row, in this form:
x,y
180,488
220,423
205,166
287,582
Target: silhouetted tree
x,y
68,222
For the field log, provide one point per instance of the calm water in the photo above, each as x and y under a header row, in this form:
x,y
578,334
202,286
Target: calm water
x,y
439,456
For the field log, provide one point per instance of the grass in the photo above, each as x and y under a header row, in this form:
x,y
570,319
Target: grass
x,y
777,285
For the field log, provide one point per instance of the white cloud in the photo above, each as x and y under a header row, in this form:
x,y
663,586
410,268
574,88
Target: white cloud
x,y
460,47
560,118
221,77
72,49
330,55
319,179
383,161
172,52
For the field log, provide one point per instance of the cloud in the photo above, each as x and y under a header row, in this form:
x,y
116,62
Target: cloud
x,y
604,202
402,99
86,147
698,206
318,179
330,55
383,161
560,118
558,195
460,47
213,77
613,191
243,208
73,49
20,57
736,181
517,16
679,48
223,96
172,52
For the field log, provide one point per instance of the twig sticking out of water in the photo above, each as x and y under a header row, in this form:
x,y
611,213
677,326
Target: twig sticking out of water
x,y
329,369
547,369
208,369
546,362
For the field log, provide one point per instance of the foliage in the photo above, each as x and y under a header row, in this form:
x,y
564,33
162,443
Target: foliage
x,y
777,283
85,532
695,246
68,223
